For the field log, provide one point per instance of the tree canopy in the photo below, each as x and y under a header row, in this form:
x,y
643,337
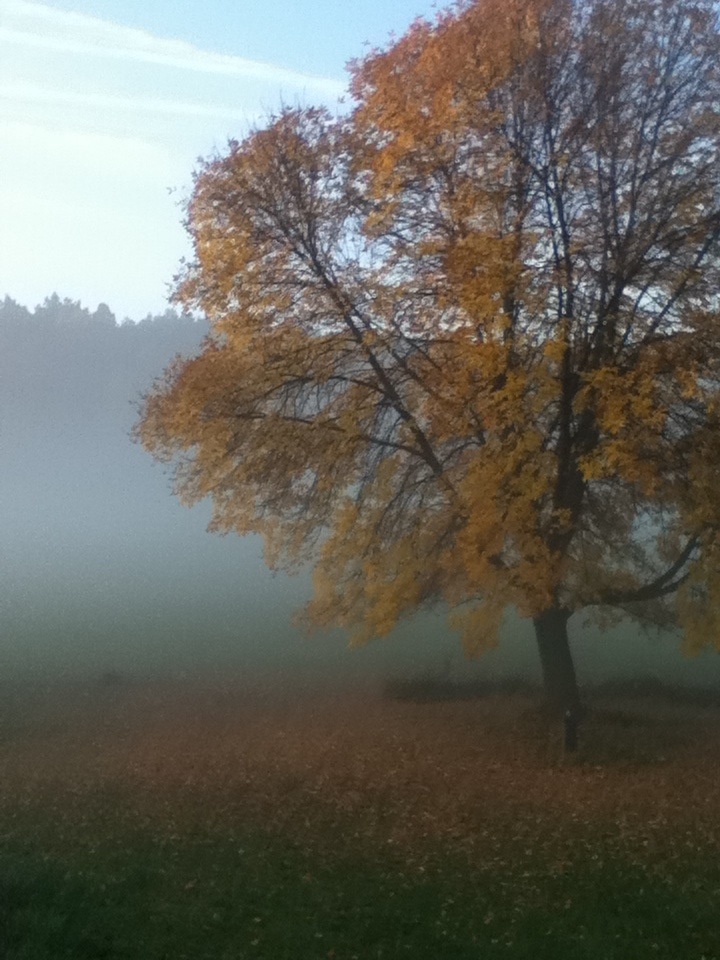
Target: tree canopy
x,y
464,340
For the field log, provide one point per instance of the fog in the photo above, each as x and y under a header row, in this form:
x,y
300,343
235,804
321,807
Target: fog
x,y
102,569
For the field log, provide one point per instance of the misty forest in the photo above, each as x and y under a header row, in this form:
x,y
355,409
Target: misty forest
x,y
103,571
366,603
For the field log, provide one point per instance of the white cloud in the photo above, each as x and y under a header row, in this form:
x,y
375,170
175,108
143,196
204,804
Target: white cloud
x,y
95,154
37,25
36,93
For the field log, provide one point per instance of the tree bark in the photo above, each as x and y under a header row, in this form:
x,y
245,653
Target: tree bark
x,y
558,670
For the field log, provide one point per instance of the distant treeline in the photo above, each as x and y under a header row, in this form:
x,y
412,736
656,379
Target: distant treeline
x,y
55,310
62,354
101,568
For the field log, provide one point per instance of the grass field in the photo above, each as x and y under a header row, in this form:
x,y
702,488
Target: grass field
x,y
213,821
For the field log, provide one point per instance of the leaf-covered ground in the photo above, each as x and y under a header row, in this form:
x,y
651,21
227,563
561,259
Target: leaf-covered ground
x,y
213,821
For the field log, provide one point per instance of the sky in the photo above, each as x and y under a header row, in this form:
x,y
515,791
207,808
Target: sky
x,y
106,105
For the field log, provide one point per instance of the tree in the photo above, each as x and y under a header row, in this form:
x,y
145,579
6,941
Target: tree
x,y
464,341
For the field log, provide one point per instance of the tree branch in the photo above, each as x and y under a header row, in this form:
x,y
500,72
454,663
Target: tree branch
x,y
661,586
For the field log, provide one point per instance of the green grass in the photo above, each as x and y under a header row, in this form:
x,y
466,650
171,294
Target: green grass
x,y
109,852
249,894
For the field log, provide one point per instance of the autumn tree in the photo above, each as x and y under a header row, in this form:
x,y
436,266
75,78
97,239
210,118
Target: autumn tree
x,y
465,340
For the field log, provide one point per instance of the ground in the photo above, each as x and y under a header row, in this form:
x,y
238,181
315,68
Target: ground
x,y
217,819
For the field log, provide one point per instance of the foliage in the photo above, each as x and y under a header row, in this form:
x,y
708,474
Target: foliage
x,y
464,341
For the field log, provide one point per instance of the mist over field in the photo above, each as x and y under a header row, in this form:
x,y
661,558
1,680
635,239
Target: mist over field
x,y
103,570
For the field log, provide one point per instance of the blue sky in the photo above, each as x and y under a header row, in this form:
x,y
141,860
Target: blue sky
x,y
106,104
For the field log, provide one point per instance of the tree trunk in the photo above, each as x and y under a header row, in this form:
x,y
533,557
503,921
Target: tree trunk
x,y
561,690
